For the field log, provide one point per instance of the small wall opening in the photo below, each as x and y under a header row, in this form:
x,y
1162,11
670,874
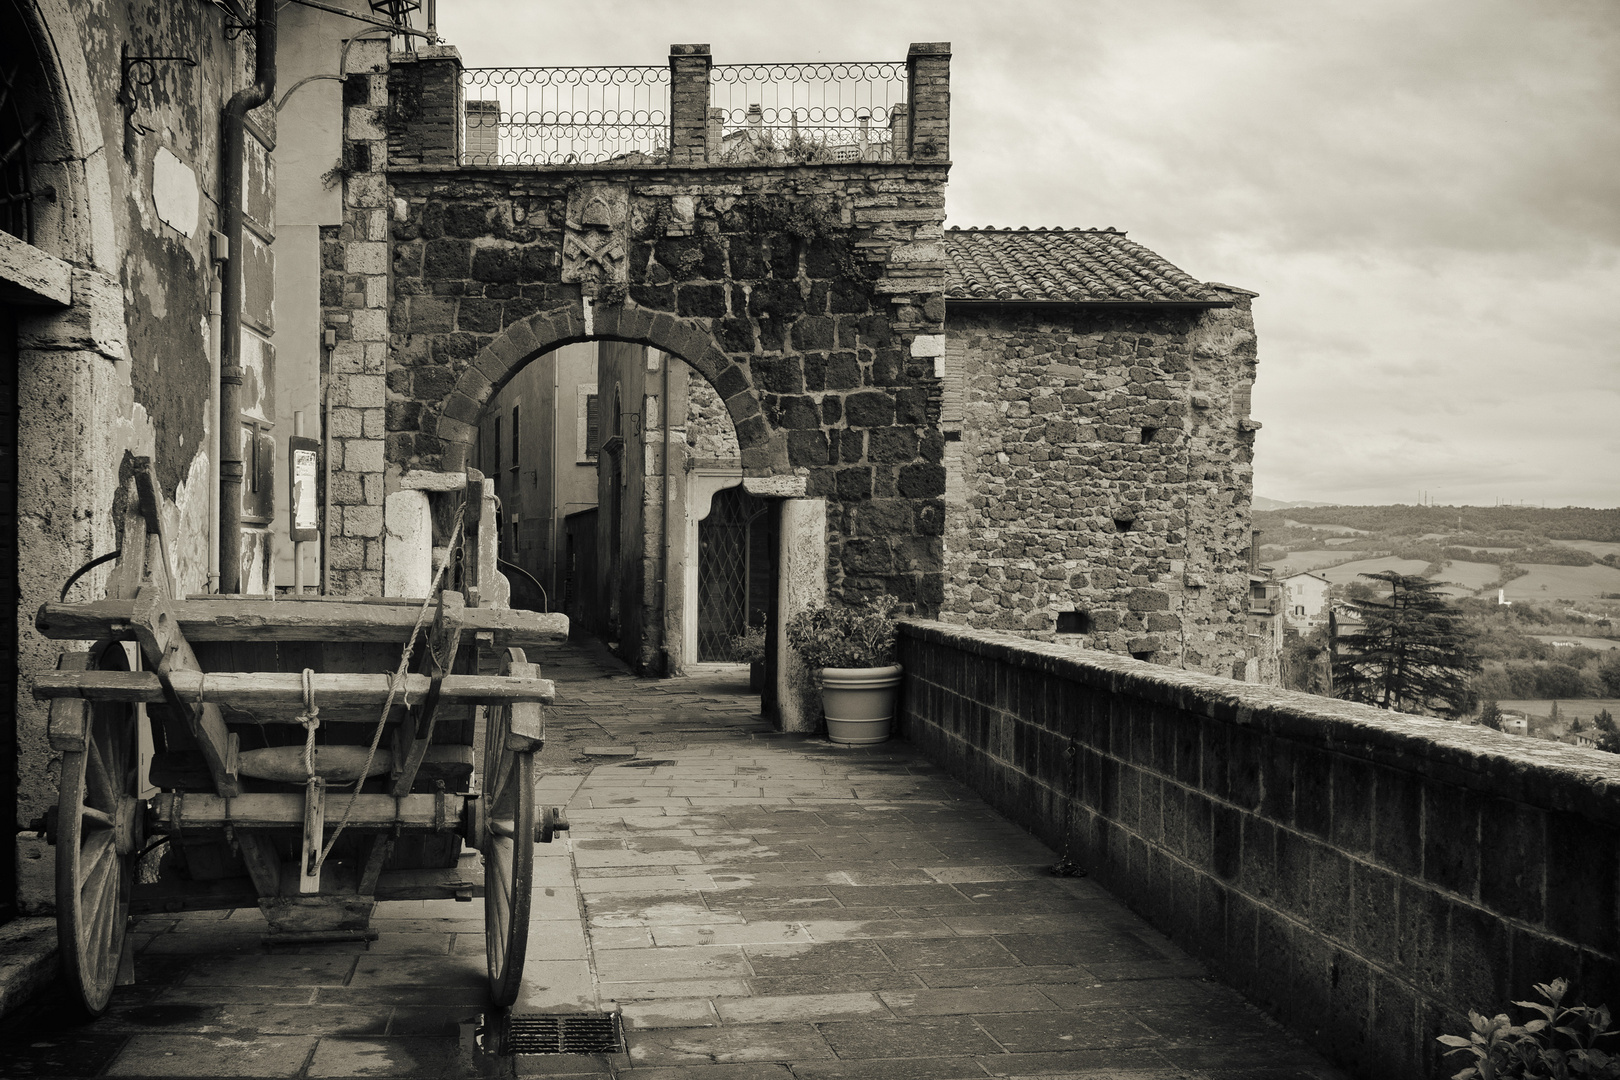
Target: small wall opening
x,y
1124,524
1144,656
1074,622
1148,433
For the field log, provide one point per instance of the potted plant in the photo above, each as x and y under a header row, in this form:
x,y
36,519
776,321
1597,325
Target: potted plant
x,y
749,648
854,649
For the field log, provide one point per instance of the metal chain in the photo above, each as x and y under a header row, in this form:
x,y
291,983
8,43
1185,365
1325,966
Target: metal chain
x,y
394,685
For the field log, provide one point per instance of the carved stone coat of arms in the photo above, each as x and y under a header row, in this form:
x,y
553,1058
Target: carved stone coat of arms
x,y
595,243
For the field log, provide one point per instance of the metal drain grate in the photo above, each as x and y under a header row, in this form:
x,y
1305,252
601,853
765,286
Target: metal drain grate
x,y
563,1033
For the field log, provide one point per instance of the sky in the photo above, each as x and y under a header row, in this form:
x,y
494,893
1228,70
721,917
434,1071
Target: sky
x,y
1425,194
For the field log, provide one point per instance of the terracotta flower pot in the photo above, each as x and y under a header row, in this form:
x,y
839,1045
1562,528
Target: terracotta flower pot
x,y
859,703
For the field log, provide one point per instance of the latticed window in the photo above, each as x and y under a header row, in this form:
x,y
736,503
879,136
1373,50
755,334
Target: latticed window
x,y
20,127
734,571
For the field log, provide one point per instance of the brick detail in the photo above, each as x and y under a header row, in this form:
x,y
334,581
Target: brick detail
x,y
689,104
928,75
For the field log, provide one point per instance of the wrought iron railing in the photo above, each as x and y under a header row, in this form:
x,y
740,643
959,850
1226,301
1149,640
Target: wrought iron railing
x,y
756,114
807,112
566,115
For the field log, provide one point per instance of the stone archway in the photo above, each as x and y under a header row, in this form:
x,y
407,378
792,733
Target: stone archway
x,y
818,323
585,320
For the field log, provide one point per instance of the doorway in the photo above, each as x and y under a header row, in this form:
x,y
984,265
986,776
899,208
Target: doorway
x,y
735,575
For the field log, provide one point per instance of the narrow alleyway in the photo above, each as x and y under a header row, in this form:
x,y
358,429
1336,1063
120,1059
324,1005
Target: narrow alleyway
x,y
756,906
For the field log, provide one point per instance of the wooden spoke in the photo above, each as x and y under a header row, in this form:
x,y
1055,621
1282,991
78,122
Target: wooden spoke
x,y
92,878
99,817
100,787
508,848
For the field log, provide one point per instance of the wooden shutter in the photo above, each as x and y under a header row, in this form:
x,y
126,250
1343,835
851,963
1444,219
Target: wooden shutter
x,y
593,425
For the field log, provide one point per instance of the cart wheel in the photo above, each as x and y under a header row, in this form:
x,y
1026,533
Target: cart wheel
x,y
97,835
508,847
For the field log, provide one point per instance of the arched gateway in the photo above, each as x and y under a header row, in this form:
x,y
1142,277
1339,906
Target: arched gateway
x,y
809,293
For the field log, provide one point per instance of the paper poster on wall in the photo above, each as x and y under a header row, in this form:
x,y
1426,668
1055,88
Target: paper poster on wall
x,y
305,464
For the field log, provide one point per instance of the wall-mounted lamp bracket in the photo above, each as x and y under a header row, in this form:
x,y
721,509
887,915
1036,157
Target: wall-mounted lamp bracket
x,y
139,71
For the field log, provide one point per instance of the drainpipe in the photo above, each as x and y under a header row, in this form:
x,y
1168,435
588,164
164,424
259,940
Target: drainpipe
x,y
219,255
230,375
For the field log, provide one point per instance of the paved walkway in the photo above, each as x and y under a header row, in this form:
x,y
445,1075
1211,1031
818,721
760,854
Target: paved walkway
x,y
755,905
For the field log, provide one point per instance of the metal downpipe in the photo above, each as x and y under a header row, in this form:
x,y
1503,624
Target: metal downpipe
x,y
230,374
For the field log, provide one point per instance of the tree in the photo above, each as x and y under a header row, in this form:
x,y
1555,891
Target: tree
x,y
1608,734
1491,716
1304,664
1608,670
1413,653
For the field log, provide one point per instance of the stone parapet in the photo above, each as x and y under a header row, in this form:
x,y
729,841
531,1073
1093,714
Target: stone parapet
x,y
1366,876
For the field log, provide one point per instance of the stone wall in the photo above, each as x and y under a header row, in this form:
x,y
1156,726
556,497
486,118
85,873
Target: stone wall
x,y
116,366
710,438
1103,468
1366,876
826,378
354,309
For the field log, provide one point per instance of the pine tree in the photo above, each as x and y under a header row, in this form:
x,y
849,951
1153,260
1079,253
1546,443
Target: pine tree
x,y
1608,734
1491,715
1414,653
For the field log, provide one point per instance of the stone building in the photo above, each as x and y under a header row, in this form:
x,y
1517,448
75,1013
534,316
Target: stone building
x,y
1098,447
1096,450
166,171
1305,600
118,194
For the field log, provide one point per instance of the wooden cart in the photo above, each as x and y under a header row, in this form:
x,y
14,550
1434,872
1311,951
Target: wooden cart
x,y
262,714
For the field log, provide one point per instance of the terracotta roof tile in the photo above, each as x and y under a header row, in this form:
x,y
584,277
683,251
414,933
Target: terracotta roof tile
x,y
1063,266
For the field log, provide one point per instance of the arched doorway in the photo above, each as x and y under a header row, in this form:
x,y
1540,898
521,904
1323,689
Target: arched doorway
x,y
605,456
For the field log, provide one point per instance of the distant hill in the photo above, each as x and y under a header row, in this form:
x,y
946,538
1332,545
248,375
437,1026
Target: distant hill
x,y
1263,503
1550,523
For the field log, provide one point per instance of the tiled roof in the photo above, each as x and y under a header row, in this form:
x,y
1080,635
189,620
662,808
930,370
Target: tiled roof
x,y
1063,266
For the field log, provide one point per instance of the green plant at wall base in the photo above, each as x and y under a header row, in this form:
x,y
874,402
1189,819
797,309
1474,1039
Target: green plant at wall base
x,y
749,646
1559,1044
844,637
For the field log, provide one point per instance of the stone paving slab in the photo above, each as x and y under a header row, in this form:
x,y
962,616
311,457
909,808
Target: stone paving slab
x,y
755,906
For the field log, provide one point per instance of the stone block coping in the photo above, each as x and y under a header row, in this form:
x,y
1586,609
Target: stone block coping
x,y
1547,774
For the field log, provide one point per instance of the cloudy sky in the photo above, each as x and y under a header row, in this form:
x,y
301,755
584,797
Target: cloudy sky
x,y
1425,193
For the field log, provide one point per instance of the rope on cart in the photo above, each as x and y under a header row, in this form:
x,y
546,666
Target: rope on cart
x,y
394,684
311,719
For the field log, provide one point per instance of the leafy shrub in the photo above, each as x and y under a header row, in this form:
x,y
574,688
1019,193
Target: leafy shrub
x,y
1561,1043
749,646
844,637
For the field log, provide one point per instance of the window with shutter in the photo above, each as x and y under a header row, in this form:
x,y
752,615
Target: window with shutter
x,y
593,425
495,449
